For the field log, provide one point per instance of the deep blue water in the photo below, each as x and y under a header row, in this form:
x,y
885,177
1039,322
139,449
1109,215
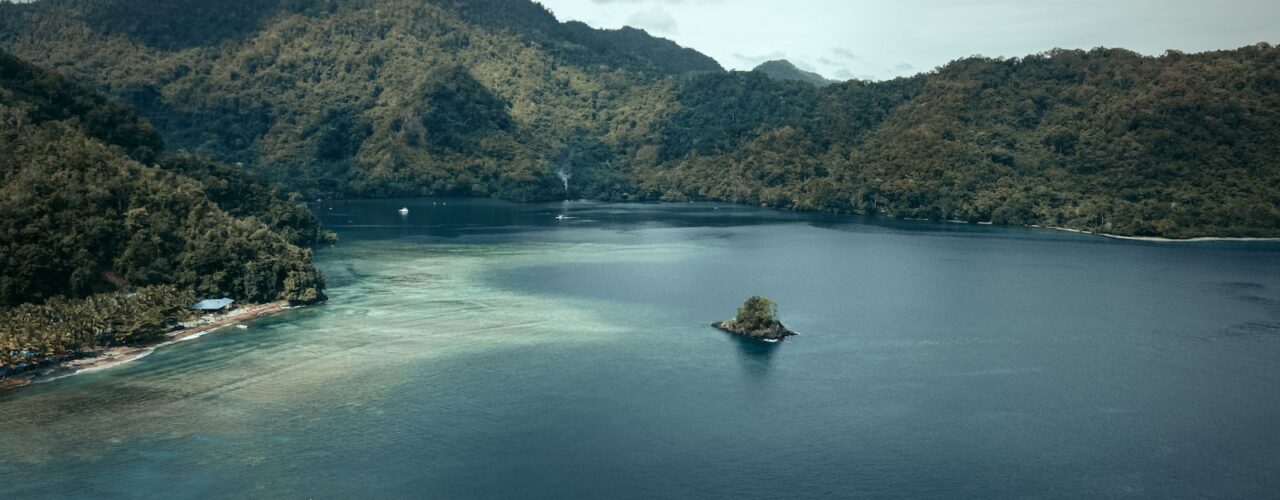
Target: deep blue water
x,y
477,348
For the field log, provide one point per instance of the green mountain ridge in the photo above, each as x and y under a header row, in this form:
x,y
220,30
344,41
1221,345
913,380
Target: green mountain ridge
x,y
376,98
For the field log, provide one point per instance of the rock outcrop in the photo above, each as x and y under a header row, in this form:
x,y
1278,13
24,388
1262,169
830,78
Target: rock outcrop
x,y
772,334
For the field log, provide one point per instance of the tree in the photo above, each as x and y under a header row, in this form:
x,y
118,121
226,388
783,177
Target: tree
x,y
757,313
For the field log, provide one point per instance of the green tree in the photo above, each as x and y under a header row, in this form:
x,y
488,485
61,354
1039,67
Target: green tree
x,y
757,313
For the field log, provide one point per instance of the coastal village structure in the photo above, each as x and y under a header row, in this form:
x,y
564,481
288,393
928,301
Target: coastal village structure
x,y
212,305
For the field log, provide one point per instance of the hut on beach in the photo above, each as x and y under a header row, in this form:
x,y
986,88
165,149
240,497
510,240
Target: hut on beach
x,y
212,305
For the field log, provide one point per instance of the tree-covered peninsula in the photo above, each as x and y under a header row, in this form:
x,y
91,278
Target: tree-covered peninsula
x,y
105,240
374,98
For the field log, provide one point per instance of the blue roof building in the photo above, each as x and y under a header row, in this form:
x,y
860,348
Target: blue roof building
x,y
209,305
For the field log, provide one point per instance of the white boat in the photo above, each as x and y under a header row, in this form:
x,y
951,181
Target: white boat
x,y
563,217
404,211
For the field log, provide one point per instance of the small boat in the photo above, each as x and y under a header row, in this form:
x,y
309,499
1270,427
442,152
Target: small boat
x,y
404,211
564,217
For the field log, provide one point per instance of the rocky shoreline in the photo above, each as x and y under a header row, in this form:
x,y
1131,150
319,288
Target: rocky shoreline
x,y
774,333
104,358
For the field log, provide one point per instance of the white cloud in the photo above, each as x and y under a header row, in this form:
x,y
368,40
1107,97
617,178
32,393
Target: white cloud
x,y
753,60
844,53
655,19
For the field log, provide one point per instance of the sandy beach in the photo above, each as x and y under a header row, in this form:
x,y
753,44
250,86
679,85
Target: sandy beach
x,y
102,359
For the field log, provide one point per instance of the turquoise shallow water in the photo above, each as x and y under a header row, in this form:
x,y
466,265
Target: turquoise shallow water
x,y
482,349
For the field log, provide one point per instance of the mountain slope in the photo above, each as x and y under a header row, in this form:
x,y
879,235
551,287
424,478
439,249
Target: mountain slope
x,y
85,208
626,48
330,99
1106,140
493,98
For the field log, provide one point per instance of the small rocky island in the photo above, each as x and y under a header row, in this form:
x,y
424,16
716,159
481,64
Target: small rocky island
x,y
756,319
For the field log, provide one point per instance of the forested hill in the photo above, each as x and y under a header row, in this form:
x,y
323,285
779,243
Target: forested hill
x,y
363,97
495,97
87,207
1107,140
783,69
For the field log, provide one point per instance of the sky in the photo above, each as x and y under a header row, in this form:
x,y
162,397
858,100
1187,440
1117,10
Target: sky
x,y
877,40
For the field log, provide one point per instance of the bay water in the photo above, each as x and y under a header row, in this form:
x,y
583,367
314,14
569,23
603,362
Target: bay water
x,y
484,349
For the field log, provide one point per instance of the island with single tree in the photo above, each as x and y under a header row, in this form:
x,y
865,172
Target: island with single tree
x,y
757,319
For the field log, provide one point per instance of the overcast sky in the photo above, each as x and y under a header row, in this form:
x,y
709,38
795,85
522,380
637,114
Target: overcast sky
x,y
887,38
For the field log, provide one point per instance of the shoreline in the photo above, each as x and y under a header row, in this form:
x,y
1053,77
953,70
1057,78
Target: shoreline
x,y
1193,239
1158,239
102,359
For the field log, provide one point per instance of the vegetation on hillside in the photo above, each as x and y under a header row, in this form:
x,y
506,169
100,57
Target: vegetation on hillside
x,y
397,98
88,208
1105,140
245,195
